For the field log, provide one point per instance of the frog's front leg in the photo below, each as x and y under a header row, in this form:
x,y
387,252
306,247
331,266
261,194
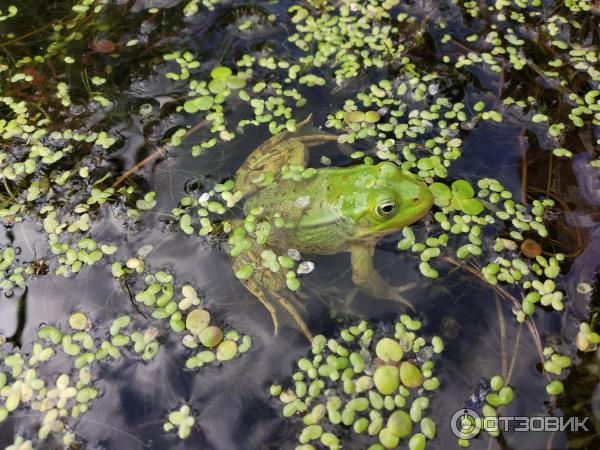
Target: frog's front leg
x,y
368,279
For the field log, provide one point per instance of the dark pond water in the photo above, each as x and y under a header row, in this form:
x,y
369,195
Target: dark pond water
x,y
230,400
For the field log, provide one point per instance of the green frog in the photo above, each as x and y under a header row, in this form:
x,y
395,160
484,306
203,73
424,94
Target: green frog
x,y
322,211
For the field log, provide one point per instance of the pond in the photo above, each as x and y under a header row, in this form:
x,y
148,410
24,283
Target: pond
x,y
299,225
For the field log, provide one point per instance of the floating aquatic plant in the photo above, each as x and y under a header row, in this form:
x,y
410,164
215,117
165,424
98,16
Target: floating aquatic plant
x,y
373,383
552,48
587,340
463,213
182,420
23,385
351,36
185,315
554,364
53,172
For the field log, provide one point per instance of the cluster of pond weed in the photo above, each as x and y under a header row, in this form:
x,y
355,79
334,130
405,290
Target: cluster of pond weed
x,y
429,139
511,37
410,122
33,171
183,313
365,383
375,384
350,36
21,385
47,155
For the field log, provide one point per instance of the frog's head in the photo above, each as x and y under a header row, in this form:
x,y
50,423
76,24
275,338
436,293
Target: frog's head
x,y
395,200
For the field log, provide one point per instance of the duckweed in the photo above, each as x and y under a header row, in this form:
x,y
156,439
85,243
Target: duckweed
x,y
86,349
389,350
78,321
587,340
386,379
535,276
555,387
369,396
410,375
197,320
181,420
53,169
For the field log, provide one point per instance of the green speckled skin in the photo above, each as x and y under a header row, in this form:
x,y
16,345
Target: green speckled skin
x,y
334,210
336,206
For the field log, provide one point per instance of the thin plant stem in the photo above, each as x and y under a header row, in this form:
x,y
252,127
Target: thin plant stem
x,y
154,155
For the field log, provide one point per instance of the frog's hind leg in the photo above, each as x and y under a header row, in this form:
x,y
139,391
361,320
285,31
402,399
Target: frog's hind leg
x,y
265,298
273,142
310,140
295,153
262,297
292,311
271,156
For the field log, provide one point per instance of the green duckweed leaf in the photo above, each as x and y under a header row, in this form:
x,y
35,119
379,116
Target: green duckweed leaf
x,y
462,189
221,72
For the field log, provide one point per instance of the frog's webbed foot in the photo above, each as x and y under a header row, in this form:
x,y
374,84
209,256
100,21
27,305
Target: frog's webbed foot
x,y
377,287
336,298
395,294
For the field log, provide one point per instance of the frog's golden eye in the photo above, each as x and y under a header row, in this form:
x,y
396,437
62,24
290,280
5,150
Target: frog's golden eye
x,y
386,209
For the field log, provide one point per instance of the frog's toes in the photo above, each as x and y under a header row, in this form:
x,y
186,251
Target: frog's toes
x,y
404,288
395,295
293,312
269,307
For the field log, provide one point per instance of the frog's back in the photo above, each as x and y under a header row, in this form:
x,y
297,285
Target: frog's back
x,y
314,221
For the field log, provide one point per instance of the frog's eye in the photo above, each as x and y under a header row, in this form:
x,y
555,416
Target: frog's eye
x,y
386,209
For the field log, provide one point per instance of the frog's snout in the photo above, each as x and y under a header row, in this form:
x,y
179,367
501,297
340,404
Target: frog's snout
x,y
423,198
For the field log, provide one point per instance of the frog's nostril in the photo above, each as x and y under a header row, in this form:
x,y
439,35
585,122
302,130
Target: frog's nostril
x,y
415,200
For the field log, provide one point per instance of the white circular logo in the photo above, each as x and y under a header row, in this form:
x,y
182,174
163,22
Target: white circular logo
x,y
465,423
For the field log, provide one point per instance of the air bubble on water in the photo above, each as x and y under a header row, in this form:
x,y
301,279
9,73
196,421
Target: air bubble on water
x,y
192,185
305,267
294,254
